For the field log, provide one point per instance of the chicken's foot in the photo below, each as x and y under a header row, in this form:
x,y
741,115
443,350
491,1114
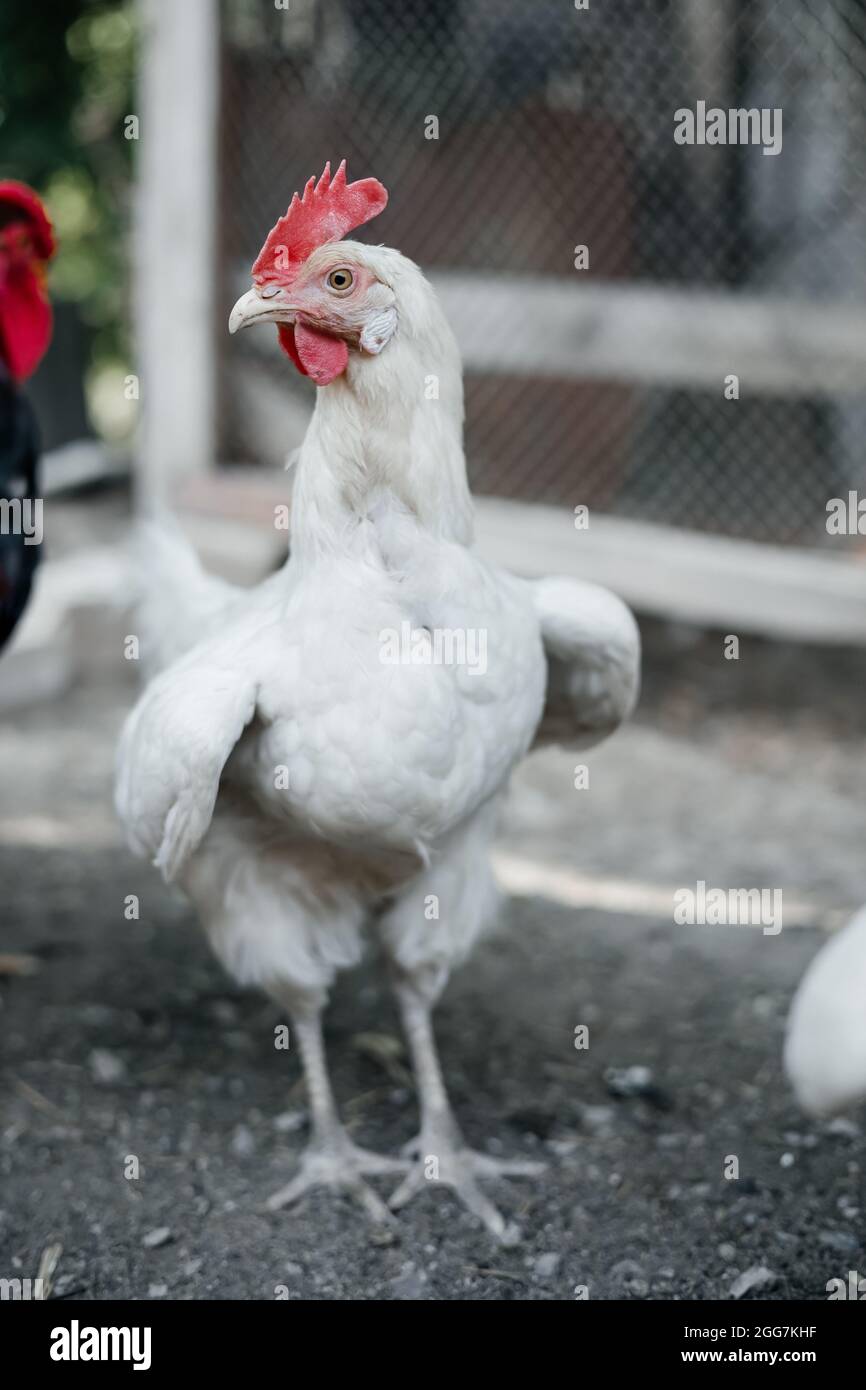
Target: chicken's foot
x,y
442,1155
331,1159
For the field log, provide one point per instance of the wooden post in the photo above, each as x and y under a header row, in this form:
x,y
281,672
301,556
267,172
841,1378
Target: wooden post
x,y
175,243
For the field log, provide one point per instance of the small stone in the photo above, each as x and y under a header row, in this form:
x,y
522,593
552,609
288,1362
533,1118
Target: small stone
x,y
843,1241
842,1128
293,1270
630,1276
410,1284
597,1118
243,1142
290,1121
157,1291
106,1067
547,1264
160,1235
629,1081
787,1160
758,1277
728,1252
382,1237
563,1148
191,1268
636,1082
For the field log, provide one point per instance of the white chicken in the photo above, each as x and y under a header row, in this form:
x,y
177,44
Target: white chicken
x,y
328,751
825,1043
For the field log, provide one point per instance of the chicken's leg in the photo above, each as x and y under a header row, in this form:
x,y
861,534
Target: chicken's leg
x,y
331,1158
442,1155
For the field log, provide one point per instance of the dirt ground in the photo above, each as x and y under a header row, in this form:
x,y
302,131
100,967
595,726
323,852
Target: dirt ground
x,y
130,1043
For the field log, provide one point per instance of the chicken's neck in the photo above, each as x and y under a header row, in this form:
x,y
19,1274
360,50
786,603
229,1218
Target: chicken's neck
x,y
391,426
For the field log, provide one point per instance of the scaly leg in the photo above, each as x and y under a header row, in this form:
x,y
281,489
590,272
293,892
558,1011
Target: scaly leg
x,y
442,1154
331,1158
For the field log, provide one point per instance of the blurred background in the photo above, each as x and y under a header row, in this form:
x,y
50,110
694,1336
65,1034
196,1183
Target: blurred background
x,y
518,146
553,130
166,139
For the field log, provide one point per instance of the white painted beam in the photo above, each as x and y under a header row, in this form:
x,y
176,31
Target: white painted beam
x,y
738,586
174,262
654,335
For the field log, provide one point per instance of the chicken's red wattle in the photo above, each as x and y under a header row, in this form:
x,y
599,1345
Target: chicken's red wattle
x,y
319,356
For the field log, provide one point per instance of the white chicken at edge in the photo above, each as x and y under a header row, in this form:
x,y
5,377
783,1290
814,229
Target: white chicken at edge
x,y
825,1045
298,785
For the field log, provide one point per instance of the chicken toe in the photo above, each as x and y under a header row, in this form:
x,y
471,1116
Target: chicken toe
x,y
443,1158
337,1162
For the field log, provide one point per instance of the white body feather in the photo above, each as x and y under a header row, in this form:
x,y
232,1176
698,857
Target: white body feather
x,y
825,1047
293,781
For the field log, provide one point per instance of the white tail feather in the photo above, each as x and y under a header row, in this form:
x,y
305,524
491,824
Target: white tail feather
x,y
176,602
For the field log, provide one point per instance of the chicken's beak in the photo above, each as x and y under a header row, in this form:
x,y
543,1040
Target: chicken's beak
x,y
251,308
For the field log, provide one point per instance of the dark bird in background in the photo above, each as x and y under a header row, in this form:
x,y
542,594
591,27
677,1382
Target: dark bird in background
x,y
26,246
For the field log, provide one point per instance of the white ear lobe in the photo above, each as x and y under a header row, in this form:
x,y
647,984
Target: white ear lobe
x,y
379,330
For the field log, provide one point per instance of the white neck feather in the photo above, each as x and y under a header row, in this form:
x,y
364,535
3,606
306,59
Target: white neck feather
x,y
392,424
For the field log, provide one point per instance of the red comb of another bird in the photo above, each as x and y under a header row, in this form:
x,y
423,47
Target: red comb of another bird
x,y
325,212
18,195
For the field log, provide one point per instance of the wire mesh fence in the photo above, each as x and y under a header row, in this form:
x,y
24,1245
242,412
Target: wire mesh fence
x,y
511,135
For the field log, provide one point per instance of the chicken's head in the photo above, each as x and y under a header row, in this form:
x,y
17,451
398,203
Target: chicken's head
x,y
26,245
325,295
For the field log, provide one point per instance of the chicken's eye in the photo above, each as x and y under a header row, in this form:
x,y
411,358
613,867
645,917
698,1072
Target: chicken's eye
x,y
341,280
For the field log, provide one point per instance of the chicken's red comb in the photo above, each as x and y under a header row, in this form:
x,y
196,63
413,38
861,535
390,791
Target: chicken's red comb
x,y
18,195
325,212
